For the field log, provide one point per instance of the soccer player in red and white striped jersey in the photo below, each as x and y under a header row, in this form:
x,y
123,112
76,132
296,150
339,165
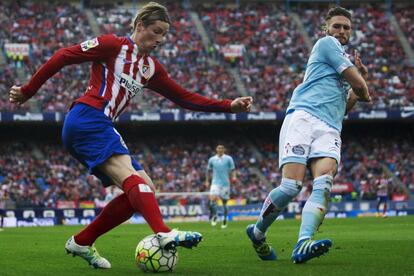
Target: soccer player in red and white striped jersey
x,y
121,68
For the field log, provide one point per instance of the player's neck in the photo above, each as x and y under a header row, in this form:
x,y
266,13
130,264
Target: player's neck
x,y
135,40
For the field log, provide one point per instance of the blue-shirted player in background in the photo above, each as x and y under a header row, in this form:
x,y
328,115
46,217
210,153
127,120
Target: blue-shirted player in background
x,y
310,137
222,165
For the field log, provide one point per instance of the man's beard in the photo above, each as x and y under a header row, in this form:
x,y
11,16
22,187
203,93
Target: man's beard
x,y
346,42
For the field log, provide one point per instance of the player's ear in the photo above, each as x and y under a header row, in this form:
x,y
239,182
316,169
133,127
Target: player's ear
x,y
324,28
140,26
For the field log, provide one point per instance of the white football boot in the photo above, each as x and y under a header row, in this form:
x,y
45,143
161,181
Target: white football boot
x,y
88,253
174,238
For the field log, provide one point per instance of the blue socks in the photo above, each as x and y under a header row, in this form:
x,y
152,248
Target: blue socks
x,y
212,205
225,210
276,201
316,206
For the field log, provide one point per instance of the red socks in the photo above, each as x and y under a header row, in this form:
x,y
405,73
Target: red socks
x,y
115,212
138,197
143,200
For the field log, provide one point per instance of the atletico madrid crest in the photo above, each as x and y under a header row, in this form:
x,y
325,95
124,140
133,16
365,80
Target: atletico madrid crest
x,y
145,71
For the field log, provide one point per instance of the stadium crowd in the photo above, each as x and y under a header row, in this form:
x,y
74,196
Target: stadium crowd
x,y
42,173
46,28
272,64
275,54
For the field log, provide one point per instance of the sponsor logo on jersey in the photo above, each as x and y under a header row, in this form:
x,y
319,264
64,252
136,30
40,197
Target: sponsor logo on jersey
x,y
130,84
89,44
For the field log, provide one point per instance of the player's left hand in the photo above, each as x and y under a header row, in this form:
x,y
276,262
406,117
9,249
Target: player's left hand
x,y
16,95
363,70
241,104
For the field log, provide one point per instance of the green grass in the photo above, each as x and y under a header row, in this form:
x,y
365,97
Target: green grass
x,y
365,246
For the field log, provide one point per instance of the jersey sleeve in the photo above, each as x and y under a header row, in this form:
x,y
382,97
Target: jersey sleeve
x,y
232,166
164,85
332,52
96,49
210,164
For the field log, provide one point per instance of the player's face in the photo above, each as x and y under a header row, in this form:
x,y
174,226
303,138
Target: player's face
x,y
340,27
220,150
151,36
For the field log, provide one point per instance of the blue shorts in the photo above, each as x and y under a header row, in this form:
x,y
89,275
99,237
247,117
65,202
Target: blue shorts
x,y
89,135
382,199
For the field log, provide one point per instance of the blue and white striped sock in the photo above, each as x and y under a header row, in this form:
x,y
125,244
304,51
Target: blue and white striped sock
x,y
276,201
316,206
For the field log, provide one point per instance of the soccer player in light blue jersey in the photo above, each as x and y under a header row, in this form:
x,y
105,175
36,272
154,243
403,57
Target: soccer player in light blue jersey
x,y
222,165
310,137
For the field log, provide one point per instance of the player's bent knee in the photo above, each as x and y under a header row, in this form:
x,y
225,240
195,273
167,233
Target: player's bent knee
x,y
324,166
291,187
323,182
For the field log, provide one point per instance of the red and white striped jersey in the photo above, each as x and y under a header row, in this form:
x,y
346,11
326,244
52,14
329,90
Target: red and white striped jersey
x,y
119,73
382,186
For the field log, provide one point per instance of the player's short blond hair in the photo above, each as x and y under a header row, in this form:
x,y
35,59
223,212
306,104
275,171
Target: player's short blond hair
x,y
150,13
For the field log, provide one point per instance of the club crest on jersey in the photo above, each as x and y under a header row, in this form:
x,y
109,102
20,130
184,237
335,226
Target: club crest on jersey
x,y
89,44
145,71
298,150
131,85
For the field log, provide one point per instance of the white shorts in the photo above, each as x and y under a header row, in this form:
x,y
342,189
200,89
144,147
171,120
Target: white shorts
x,y
304,136
221,191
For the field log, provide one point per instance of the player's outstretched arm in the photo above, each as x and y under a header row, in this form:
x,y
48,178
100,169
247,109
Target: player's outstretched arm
x,y
97,49
167,87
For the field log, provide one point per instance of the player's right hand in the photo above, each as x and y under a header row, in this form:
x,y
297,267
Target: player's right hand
x,y
241,104
363,70
16,95
365,100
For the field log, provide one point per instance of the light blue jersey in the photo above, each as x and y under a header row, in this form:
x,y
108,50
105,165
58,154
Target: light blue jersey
x,y
221,167
323,92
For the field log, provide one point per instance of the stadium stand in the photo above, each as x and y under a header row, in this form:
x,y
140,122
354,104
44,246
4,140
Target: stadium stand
x,y
272,66
275,54
46,28
40,173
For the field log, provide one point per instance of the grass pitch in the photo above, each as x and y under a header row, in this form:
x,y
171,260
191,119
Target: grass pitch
x,y
364,246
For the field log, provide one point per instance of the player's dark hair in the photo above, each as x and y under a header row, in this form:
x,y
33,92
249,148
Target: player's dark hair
x,y
338,11
335,12
150,13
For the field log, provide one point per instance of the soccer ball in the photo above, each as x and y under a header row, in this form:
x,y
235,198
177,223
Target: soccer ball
x,y
151,257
